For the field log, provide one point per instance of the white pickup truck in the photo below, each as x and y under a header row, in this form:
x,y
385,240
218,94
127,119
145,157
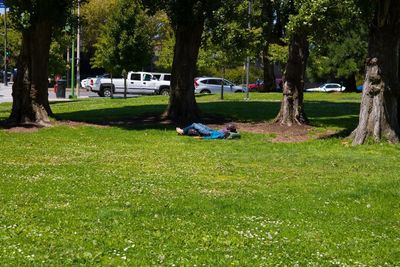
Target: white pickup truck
x,y
140,83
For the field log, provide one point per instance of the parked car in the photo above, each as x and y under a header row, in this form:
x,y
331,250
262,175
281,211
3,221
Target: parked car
x,y
256,86
327,87
360,88
208,85
141,83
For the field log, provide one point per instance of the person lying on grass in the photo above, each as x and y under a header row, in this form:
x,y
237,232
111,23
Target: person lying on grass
x,y
202,131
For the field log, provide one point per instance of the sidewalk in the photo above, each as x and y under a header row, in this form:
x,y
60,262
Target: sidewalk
x,y
6,97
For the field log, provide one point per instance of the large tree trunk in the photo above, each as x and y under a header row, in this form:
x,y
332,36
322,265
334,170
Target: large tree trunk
x,y
30,90
292,110
379,113
351,84
269,77
182,106
267,28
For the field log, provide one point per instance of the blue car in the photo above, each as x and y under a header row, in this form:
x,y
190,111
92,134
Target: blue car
x,y
360,88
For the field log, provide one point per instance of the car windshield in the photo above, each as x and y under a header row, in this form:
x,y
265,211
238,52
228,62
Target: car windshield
x,y
226,82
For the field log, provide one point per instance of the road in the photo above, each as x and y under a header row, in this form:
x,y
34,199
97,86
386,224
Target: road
x,y
5,94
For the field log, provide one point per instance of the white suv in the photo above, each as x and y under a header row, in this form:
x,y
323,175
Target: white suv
x,y
208,85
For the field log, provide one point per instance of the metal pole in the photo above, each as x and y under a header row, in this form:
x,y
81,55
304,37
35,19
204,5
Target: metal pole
x,y
73,58
69,66
78,53
248,59
5,47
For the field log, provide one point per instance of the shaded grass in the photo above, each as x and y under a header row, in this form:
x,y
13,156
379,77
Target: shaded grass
x,y
112,196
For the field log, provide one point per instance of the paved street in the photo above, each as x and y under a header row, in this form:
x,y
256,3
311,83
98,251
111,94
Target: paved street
x,y
5,94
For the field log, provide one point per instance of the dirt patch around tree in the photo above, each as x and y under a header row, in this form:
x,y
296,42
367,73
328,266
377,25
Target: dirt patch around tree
x,y
276,133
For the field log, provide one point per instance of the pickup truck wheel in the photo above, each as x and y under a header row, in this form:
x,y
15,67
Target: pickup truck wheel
x,y
164,92
107,92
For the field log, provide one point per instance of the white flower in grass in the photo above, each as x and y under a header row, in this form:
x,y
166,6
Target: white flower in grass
x,y
269,236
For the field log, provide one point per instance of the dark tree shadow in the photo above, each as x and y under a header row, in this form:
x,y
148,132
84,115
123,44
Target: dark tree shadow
x,y
321,114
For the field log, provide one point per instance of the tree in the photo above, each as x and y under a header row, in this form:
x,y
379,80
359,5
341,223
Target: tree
x,y
95,13
227,40
36,20
125,41
164,42
380,105
13,43
57,62
308,19
292,110
341,55
342,58
187,19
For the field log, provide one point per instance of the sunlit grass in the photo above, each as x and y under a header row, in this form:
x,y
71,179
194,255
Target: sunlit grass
x,y
118,196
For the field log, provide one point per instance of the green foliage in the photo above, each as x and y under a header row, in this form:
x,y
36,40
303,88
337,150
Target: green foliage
x,y
228,35
13,42
125,41
57,62
278,53
342,58
95,13
164,42
341,51
26,13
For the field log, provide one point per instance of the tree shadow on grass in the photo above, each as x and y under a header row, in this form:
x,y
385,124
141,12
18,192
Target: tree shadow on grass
x,y
321,114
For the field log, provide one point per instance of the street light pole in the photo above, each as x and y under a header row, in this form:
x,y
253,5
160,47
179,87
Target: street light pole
x,y
248,59
78,53
5,76
73,58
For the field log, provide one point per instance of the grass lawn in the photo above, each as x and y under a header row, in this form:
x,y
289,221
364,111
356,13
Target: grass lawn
x,y
143,196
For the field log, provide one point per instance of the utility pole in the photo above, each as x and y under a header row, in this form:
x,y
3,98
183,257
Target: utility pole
x,y
248,59
69,67
73,57
5,76
78,52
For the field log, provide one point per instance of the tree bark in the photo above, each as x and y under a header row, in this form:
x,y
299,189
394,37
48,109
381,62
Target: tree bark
x,y
269,77
267,28
379,112
30,90
351,85
292,110
182,106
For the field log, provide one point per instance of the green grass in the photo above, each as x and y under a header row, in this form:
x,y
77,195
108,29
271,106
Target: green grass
x,y
140,196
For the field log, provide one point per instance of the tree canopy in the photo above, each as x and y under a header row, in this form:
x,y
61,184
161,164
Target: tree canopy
x,y
125,40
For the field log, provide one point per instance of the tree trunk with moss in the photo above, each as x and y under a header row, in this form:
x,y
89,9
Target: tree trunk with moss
x,y
379,112
182,106
30,90
292,106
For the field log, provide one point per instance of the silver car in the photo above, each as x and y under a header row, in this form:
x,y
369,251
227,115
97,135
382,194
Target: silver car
x,y
212,85
327,87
